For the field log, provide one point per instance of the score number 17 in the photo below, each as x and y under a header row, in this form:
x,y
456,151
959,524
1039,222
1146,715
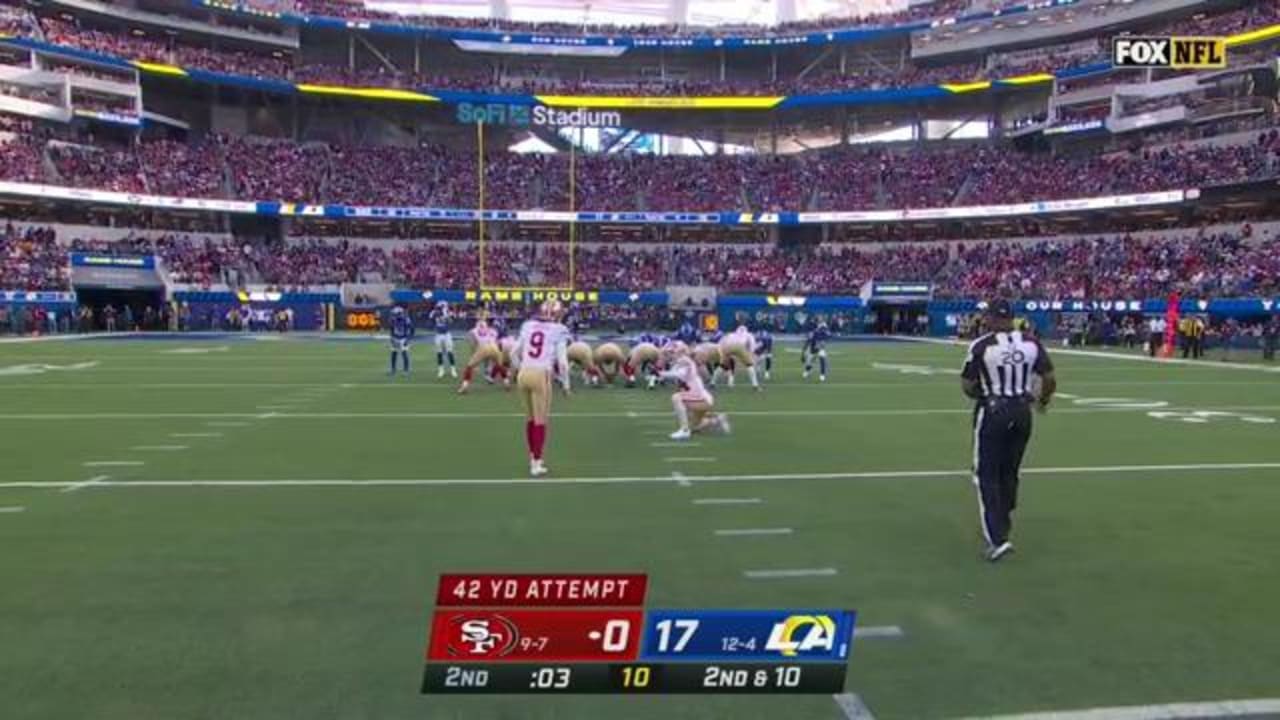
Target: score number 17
x,y
682,630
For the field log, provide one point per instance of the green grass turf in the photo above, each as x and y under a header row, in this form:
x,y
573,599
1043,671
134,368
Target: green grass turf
x,y
312,602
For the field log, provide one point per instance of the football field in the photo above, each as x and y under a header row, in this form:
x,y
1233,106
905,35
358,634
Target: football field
x,y
244,527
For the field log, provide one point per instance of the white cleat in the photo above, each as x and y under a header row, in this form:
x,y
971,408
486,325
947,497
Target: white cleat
x,y
805,376
439,372
453,372
681,434
994,554
536,468
723,420
822,378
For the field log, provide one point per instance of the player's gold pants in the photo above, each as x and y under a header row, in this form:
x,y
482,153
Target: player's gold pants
x,y
535,387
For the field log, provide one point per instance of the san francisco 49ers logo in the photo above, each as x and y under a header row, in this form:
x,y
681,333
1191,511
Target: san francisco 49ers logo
x,y
479,638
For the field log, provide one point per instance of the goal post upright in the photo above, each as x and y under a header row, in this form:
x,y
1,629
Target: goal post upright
x,y
480,194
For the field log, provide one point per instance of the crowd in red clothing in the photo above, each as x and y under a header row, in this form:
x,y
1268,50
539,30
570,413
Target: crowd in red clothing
x,y
1223,265
434,175
31,260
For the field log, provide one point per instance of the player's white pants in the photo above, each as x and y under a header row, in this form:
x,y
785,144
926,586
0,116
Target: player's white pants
x,y
444,342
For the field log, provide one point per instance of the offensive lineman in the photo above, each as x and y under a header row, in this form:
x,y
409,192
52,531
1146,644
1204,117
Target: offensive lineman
x,y
580,354
609,361
440,318
541,345
401,334
643,358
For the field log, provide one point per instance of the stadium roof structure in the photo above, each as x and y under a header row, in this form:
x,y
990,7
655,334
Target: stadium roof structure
x,y
755,13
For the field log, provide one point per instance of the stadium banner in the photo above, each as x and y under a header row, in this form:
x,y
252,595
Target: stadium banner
x,y
243,296
36,297
530,295
812,302
552,44
132,262
903,292
1150,306
275,208
110,197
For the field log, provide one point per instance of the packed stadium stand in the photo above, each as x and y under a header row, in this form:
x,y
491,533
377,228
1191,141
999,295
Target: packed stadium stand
x,y
250,147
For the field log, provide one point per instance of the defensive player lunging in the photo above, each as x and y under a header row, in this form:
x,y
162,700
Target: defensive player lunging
x,y
815,346
440,318
540,346
764,352
401,335
484,341
692,401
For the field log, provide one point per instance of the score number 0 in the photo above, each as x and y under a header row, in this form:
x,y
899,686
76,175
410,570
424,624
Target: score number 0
x,y
615,636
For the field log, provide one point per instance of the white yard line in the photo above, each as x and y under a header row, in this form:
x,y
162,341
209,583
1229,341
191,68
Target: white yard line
x,y
234,423
788,573
1212,709
95,480
623,480
750,532
657,418
196,435
113,463
12,509
852,707
681,479
728,501
675,444
160,448
1120,356
878,631
689,459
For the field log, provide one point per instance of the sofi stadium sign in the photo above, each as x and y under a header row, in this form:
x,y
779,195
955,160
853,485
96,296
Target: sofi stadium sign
x,y
526,115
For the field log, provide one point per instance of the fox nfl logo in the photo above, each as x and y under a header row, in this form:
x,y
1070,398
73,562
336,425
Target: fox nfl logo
x,y
1179,53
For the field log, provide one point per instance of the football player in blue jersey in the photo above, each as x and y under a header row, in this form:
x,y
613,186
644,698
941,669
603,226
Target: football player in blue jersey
x,y
815,346
401,334
688,334
440,319
764,351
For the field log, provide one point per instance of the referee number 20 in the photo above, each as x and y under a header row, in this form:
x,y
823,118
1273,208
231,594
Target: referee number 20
x,y
635,677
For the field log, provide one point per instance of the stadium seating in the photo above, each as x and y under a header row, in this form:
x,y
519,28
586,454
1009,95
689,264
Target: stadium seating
x,y
439,176
1223,265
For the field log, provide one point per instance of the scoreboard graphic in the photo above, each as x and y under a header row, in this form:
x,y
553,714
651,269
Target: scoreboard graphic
x,y
519,633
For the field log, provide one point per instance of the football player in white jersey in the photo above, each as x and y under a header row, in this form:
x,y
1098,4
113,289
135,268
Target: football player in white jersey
x,y
540,347
692,401
485,349
739,347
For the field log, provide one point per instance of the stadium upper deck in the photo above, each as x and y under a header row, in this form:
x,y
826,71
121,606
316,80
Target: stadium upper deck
x,y
305,54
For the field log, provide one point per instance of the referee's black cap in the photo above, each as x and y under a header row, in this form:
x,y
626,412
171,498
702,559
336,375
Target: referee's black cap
x,y
1000,309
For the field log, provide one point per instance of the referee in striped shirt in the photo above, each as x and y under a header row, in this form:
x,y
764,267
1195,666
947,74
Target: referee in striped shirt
x,y
1000,374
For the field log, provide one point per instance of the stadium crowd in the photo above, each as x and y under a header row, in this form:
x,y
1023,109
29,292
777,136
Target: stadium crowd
x,y
1224,265
823,77
433,175
357,11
